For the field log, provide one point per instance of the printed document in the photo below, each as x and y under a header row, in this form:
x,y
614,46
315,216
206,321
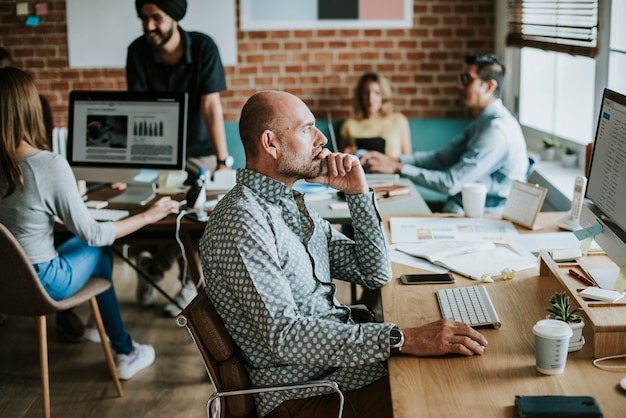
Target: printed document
x,y
411,229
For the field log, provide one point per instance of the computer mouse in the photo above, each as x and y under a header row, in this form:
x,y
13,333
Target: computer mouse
x,y
622,383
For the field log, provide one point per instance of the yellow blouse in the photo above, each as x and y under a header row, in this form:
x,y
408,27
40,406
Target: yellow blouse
x,y
388,127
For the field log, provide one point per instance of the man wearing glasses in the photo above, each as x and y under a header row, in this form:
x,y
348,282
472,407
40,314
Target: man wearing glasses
x,y
491,150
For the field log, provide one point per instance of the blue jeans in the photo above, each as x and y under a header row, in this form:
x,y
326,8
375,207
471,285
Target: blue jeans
x,y
66,274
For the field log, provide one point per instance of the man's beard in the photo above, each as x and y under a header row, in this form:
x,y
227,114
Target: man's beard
x,y
301,167
164,38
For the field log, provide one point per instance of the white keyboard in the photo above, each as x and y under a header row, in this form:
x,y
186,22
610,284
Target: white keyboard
x,y
470,304
108,214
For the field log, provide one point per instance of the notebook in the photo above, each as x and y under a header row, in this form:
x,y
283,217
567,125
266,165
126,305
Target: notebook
x,y
473,259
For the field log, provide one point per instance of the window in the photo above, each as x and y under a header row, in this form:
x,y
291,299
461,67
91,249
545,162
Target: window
x,y
569,26
559,89
617,49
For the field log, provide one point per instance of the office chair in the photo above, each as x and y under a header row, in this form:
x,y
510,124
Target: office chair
x,y
225,365
23,295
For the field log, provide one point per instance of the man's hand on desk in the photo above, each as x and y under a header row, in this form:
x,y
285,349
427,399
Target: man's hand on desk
x,y
443,337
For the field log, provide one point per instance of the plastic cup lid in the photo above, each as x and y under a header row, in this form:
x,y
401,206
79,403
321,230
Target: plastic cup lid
x,y
552,328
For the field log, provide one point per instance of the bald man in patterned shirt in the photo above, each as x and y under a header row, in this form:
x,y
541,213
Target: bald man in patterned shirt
x,y
268,261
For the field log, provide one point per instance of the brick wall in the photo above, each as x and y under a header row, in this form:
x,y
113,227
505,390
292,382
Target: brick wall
x,y
321,66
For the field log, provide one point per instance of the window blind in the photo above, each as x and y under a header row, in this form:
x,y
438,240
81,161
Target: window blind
x,y
554,25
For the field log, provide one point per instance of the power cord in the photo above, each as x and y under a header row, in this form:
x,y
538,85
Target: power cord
x,y
597,361
185,271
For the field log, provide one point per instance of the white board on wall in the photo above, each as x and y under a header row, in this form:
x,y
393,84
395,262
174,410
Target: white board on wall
x,y
99,31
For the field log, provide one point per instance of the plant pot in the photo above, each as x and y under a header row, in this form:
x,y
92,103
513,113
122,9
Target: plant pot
x,y
547,154
569,160
577,341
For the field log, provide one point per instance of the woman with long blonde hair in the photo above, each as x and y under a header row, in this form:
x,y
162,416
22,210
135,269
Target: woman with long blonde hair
x,y
374,122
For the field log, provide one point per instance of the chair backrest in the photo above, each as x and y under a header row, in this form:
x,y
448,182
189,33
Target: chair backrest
x,y
22,292
222,358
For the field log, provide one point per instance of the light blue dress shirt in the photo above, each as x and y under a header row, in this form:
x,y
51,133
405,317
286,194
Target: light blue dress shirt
x,y
268,261
491,150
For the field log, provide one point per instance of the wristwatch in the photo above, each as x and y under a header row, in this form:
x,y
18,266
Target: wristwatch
x,y
228,162
396,339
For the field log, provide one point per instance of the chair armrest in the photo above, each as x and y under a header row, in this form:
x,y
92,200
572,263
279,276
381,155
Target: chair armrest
x,y
264,389
362,313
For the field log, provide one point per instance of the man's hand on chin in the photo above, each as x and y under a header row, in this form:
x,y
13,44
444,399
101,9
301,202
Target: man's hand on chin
x,y
343,172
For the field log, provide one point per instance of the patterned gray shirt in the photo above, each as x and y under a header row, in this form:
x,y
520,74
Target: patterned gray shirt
x,y
268,262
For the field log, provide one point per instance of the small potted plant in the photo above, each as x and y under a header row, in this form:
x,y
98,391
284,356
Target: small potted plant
x,y
560,310
569,157
550,144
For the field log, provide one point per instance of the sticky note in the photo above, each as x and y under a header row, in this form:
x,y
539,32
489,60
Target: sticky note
x,y
620,282
32,21
41,9
21,9
588,232
585,245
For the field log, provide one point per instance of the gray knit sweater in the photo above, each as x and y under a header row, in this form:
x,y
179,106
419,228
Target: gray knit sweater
x,y
49,193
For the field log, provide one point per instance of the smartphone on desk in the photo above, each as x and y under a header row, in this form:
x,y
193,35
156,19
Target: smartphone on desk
x,y
427,278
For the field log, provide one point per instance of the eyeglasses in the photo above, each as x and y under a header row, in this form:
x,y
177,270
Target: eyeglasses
x,y
466,79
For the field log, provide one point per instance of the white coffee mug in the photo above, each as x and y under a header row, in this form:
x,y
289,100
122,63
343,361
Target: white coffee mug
x,y
474,196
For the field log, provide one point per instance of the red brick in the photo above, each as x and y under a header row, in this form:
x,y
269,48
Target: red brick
x,y
321,65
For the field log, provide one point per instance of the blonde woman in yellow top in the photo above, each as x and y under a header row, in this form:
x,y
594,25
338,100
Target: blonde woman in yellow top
x,y
375,119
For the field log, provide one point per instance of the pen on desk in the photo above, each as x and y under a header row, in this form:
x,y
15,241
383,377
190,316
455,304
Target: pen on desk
x,y
581,278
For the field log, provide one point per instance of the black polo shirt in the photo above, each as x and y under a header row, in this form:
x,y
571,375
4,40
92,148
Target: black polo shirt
x,y
199,72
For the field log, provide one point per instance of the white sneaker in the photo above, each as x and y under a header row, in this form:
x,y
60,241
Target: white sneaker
x,y
141,357
146,294
183,298
91,331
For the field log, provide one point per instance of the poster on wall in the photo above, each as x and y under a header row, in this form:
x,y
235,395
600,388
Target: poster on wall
x,y
99,32
260,15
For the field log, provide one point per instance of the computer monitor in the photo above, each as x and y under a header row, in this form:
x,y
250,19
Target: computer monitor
x,y
121,136
605,196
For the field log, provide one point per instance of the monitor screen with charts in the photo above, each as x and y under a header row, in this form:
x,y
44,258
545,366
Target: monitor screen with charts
x,y
120,136
605,200
113,135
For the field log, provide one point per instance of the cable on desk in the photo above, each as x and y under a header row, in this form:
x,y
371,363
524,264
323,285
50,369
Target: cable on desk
x,y
597,361
180,216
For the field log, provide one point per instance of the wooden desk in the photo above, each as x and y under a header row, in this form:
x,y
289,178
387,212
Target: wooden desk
x,y
485,386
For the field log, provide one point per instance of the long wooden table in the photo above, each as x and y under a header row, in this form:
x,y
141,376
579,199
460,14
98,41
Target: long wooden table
x,y
486,386
411,204
191,230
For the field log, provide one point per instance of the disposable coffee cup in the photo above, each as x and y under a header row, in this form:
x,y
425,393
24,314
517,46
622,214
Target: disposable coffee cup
x,y
551,345
474,195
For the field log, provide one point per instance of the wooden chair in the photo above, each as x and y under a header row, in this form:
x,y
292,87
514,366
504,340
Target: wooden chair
x,y
225,365
23,295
